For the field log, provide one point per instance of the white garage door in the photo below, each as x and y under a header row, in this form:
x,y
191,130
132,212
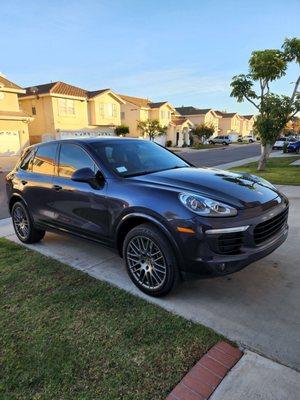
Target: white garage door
x,y
9,143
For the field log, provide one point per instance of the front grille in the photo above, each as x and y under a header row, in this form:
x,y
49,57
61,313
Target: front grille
x,y
265,230
230,243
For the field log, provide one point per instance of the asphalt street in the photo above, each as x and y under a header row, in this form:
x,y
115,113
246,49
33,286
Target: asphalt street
x,y
222,155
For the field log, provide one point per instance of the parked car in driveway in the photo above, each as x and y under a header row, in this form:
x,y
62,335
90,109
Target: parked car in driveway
x,y
278,145
293,147
220,140
246,138
166,218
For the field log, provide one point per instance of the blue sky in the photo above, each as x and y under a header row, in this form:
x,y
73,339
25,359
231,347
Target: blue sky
x,y
182,51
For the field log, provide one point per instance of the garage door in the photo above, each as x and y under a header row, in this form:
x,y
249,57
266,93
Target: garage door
x,y
9,143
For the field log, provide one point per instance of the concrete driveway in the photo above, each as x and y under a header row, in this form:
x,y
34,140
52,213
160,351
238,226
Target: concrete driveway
x,y
258,307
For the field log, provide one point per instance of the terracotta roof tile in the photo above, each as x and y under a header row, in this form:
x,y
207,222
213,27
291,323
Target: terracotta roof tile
x,y
138,101
189,110
8,84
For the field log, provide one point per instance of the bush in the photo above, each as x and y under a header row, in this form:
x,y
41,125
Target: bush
x,y
121,130
169,143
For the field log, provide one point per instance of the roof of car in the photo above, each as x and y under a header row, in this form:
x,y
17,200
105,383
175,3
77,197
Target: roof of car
x,y
89,140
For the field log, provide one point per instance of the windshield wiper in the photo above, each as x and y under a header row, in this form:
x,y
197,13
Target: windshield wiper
x,y
154,171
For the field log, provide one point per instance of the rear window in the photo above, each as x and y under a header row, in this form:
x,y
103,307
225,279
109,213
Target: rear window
x,y
26,162
44,160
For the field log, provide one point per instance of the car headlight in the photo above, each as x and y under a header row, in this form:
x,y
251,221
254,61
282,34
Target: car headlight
x,y
205,206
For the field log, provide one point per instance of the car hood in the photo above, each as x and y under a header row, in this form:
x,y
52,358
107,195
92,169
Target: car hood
x,y
237,189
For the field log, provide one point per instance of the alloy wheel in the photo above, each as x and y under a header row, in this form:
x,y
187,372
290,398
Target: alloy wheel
x,y
21,223
146,262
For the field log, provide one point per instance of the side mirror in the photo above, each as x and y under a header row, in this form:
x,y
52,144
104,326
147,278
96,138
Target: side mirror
x,y
88,176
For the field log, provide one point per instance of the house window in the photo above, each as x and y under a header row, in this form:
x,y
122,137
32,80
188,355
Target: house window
x,y
33,110
162,114
66,107
108,110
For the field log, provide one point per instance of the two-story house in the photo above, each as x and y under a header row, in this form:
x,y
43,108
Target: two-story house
x,y
201,116
13,123
61,110
140,109
229,122
247,124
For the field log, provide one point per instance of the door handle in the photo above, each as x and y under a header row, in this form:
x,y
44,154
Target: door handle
x,y
56,187
24,182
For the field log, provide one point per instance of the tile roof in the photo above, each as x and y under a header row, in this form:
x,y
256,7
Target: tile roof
x,y
55,87
61,88
178,120
138,101
96,92
225,114
248,116
157,105
189,110
8,84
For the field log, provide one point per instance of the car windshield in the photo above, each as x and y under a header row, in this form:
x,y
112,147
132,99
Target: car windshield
x,y
135,157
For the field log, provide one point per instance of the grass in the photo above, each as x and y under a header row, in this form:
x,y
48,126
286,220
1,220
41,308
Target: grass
x,y
278,171
65,335
200,146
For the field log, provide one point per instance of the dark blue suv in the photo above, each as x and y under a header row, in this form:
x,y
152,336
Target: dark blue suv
x,y
293,147
166,218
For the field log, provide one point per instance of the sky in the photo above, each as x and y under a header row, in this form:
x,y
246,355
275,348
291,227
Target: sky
x,y
185,52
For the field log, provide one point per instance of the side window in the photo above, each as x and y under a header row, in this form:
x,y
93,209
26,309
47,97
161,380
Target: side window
x,y
44,160
73,157
26,163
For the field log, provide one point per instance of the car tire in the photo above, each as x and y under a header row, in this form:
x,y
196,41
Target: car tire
x,y
150,260
298,150
24,226
225,144
211,142
251,141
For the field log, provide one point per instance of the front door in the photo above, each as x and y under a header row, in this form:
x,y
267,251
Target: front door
x,y
177,138
79,207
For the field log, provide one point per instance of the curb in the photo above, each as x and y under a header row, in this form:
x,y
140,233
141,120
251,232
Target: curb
x,y
202,380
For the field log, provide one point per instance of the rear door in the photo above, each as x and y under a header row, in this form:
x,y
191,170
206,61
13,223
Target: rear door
x,y
35,177
40,184
77,206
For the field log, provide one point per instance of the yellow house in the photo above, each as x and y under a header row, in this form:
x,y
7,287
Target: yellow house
x,y
229,122
140,109
247,124
201,116
61,110
13,124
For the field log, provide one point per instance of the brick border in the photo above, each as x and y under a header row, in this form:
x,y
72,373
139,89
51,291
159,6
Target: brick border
x,y
202,380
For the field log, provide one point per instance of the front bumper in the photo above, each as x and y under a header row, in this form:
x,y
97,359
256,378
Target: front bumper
x,y
202,258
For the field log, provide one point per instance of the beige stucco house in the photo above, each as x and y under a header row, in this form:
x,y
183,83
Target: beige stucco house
x,y
13,123
61,110
201,116
140,109
229,122
247,124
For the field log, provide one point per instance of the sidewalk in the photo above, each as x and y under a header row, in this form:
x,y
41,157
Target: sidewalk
x,y
257,378
252,159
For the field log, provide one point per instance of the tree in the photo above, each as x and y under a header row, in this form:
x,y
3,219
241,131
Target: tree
x,y
151,128
121,130
275,111
203,131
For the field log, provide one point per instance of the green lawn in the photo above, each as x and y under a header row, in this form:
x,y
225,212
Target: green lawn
x,y
278,171
65,335
200,146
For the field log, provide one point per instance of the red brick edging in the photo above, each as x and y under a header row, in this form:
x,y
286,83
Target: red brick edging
x,y
201,381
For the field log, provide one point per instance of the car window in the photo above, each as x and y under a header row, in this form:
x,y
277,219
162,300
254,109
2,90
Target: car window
x,y
72,157
135,157
44,159
26,162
